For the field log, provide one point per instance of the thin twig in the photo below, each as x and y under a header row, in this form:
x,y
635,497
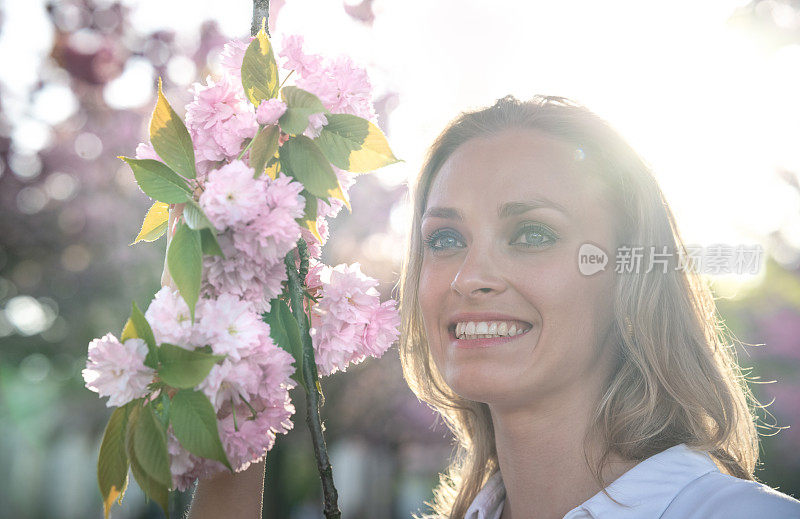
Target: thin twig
x,y
313,420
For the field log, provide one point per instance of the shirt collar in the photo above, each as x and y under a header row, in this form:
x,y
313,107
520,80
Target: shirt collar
x,y
649,487
488,501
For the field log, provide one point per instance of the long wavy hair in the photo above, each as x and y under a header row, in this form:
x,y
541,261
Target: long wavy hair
x,y
676,377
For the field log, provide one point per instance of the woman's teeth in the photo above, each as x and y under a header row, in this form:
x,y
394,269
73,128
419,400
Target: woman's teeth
x,y
488,329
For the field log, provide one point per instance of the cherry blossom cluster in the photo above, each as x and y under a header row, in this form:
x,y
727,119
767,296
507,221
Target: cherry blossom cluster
x,y
255,220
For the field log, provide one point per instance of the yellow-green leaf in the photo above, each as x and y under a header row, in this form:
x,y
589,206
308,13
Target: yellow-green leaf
x,y
170,138
300,104
309,218
354,144
154,224
264,147
259,69
128,331
112,463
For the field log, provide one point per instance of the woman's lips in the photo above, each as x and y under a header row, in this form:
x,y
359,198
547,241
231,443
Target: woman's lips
x,y
481,343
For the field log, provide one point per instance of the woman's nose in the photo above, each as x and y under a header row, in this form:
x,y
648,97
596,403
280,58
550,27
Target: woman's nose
x,y
478,275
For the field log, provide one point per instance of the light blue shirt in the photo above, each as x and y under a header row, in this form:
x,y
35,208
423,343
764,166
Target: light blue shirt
x,y
678,483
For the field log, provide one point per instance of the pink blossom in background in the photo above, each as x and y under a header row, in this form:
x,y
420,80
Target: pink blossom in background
x,y
297,60
786,409
232,56
117,370
269,111
232,196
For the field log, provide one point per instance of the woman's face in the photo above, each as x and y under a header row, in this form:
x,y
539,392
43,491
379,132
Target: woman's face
x,y
505,218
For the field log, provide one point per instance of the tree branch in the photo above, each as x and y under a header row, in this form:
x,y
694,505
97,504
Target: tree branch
x,y
260,10
313,420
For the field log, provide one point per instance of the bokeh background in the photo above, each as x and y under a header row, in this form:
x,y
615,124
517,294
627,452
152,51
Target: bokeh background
x,y
706,91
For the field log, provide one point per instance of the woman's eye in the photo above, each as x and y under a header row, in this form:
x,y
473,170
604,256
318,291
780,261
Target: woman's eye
x,y
536,236
441,240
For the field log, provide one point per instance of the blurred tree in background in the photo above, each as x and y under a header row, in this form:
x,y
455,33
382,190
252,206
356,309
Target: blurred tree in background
x,y
69,208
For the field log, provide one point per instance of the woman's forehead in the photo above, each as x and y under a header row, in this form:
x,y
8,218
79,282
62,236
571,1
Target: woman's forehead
x,y
514,164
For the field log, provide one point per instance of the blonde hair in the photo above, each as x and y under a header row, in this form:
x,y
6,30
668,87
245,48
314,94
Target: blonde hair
x,y
676,378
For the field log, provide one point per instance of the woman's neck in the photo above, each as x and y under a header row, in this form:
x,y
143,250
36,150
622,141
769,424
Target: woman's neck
x,y
540,453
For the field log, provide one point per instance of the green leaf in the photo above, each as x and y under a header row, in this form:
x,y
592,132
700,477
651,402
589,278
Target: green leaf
x,y
150,485
302,159
183,368
194,422
309,218
284,332
158,181
259,70
354,144
170,138
300,104
209,244
195,217
112,463
185,263
144,331
154,224
150,446
264,147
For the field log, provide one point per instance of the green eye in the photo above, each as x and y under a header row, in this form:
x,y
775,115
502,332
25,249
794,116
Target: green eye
x,y
536,236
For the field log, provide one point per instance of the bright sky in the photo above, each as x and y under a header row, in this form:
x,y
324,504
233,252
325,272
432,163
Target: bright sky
x,y
712,113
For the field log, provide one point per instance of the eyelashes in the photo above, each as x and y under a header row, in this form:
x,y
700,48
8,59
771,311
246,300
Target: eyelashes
x,y
548,237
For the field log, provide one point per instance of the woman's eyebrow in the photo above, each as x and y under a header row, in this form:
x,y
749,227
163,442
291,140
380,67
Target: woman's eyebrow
x,y
505,210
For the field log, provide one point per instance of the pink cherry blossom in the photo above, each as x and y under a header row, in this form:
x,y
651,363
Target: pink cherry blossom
x,y
117,369
169,317
269,111
343,331
232,196
219,119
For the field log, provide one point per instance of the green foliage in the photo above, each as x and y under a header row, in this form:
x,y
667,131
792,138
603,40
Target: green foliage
x,y
284,331
112,463
144,331
182,368
300,104
185,263
209,243
354,144
302,159
259,70
146,447
195,425
158,181
263,148
170,138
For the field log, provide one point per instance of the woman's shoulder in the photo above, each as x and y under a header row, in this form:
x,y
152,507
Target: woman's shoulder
x,y
720,495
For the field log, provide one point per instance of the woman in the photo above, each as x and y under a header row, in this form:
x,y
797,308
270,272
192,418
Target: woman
x,y
555,374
